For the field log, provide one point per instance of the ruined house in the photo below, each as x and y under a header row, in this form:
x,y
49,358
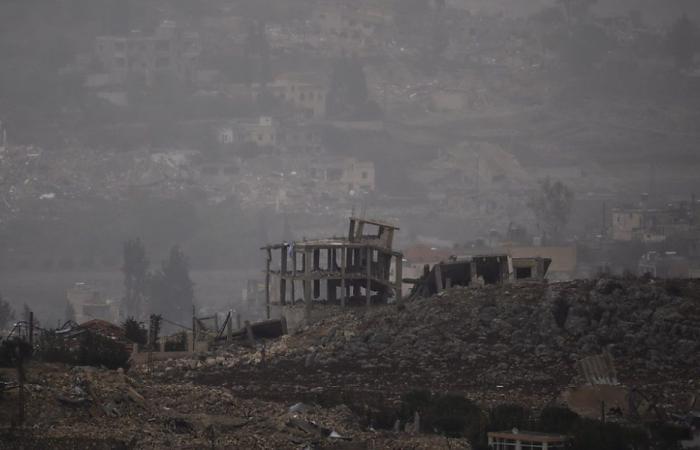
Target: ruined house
x,y
478,270
347,270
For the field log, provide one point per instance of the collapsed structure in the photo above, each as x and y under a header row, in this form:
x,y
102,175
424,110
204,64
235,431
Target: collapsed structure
x,y
347,270
478,270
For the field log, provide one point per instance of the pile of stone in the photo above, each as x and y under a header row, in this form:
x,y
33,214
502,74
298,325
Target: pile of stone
x,y
85,407
498,342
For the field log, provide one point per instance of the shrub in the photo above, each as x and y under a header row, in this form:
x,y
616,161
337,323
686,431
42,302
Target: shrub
x,y
455,416
451,415
418,400
557,419
87,349
508,416
590,434
135,331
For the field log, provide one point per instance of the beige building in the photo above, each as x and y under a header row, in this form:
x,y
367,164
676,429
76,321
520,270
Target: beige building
x,y
564,259
627,225
302,92
262,133
347,174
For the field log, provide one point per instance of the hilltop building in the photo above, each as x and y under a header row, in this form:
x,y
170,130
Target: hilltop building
x,y
353,269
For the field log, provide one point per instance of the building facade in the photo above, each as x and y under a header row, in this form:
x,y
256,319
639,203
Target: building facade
x,y
169,52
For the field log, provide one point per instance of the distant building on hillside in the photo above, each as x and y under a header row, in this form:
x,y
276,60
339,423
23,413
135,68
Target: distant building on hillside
x,y
262,132
304,92
667,265
347,174
88,304
301,138
654,225
170,52
348,29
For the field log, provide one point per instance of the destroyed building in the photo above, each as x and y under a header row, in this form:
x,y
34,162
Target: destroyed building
x,y
478,270
344,271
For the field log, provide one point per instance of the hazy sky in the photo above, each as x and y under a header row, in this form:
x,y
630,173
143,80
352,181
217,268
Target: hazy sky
x,y
657,12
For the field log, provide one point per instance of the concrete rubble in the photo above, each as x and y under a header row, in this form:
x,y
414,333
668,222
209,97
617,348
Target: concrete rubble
x,y
99,408
509,343
334,383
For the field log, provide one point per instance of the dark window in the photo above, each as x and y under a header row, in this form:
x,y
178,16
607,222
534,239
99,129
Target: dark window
x,y
523,272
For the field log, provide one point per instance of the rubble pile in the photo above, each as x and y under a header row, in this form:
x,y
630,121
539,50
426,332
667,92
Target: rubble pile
x,y
83,407
496,343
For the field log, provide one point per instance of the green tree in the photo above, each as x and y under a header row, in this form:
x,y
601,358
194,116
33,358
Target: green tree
x,y
135,331
7,314
557,419
456,416
682,42
552,207
508,416
135,269
172,290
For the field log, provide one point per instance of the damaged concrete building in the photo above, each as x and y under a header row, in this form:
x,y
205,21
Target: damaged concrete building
x,y
347,270
478,270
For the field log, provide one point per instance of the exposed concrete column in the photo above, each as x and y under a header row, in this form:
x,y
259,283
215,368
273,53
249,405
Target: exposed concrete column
x,y
368,292
307,286
283,275
316,267
399,279
267,284
331,285
472,269
294,269
343,293
438,277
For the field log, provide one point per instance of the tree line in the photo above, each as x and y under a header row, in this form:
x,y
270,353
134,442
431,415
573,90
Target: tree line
x,y
167,290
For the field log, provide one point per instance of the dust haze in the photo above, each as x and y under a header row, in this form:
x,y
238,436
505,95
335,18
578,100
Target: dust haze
x,y
236,170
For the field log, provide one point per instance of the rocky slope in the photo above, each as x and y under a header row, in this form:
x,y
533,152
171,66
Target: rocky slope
x,y
508,343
